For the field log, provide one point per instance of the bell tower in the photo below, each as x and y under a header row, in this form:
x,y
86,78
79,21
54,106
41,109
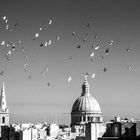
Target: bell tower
x,y
4,112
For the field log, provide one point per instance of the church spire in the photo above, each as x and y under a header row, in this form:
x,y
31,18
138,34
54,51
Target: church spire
x,y
3,105
85,86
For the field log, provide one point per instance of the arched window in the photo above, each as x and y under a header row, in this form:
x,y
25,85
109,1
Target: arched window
x,y
84,118
80,118
74,119
88,118
77,119
3,119
92,119
116,131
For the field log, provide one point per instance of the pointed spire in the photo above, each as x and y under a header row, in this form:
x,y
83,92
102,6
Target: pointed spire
x,y
85,86
3,105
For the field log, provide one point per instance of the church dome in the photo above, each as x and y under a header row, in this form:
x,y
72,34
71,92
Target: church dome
x,y
86,103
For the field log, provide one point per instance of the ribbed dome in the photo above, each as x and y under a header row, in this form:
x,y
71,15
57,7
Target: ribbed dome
x,y
86,104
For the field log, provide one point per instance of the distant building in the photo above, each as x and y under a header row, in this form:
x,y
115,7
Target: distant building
x,y
9,133
122,129
42,134
29,132
53,130
4,112
94,131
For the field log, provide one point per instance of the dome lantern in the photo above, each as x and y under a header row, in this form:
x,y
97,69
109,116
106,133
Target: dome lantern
x,y
85,86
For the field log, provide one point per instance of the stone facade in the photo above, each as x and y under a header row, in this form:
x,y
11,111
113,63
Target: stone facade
x,y
85,109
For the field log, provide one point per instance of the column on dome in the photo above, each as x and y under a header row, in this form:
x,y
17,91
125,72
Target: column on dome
x,y
85,86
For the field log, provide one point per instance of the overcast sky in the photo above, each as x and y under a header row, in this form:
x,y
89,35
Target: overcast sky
x,y
93,23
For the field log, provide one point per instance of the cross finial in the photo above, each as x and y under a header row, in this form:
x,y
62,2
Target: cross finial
x,y
86,75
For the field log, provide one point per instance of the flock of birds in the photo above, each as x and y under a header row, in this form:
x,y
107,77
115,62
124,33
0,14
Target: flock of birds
x,y
12,46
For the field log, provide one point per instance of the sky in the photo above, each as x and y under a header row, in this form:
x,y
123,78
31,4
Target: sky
x,y
35,97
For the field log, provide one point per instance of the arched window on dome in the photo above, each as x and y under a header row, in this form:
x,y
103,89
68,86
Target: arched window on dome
x,y
76,119
72,119
91,118
84,118
3,119
80,119
98,119
116,131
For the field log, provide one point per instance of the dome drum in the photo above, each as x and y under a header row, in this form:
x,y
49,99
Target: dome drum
x,y
85,118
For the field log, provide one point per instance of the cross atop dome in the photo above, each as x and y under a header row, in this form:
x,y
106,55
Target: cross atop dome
x,y
86,76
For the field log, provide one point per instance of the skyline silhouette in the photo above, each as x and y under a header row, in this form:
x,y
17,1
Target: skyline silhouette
x,y
48,47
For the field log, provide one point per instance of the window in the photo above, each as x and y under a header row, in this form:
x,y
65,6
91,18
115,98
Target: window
x,y
116,131
89,119
77,119
3,119
84,118
80,119
98,119
92,119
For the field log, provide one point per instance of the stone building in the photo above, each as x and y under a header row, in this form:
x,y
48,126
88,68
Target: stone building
x,y
125,129
84,110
